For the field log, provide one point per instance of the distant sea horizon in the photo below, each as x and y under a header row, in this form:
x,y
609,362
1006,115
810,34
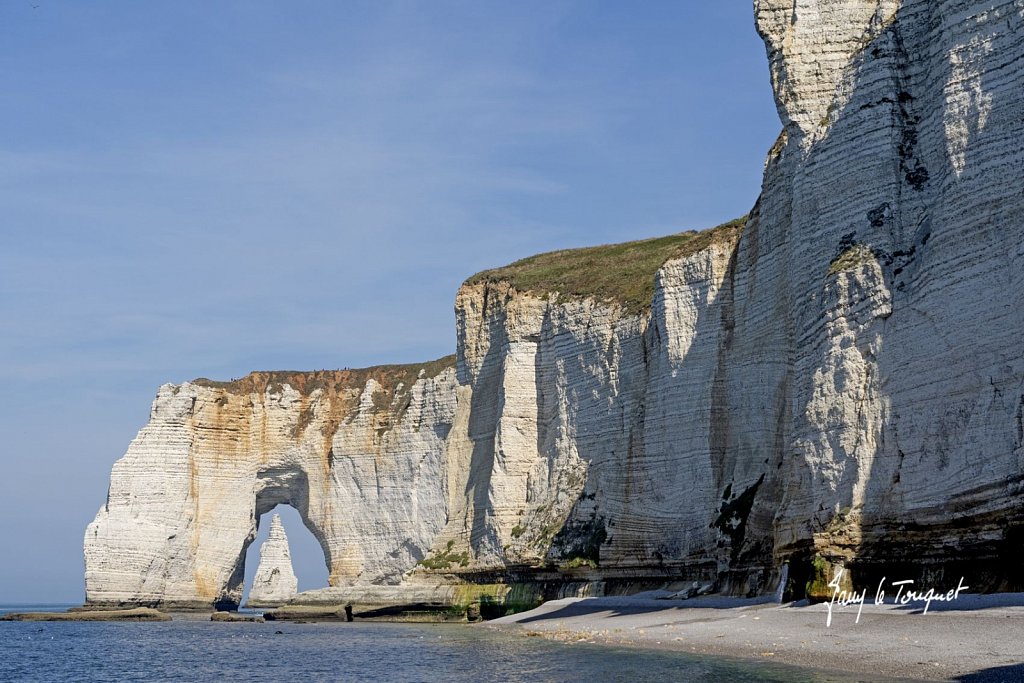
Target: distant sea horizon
x,y
36,606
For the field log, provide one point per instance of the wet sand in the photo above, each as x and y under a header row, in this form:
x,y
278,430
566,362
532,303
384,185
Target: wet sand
x,y
976,638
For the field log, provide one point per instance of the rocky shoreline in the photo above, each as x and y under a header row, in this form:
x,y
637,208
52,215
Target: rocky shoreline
x,y
79,614
976,638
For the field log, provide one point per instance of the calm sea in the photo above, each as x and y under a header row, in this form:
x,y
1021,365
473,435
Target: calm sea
x,y
199,650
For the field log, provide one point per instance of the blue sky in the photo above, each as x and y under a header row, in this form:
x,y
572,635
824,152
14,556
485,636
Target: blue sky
x,y
202,189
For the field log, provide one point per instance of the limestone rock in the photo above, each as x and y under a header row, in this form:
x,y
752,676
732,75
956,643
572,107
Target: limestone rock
x,y
840,385
275,582
135,614
236,617
582,429
846,380
899,439
358,453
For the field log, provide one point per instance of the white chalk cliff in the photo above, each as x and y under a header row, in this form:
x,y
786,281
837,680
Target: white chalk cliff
x,y
359,454
275,582
841,376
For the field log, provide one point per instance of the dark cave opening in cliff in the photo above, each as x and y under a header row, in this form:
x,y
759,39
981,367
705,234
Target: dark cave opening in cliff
x,y
307,555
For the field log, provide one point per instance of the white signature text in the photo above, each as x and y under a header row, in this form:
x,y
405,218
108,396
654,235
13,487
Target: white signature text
x,y
904,595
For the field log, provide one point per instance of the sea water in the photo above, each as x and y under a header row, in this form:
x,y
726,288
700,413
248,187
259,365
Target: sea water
x,y
191,648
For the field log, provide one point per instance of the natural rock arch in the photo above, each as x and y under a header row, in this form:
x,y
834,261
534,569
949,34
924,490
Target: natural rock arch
x,y
358,453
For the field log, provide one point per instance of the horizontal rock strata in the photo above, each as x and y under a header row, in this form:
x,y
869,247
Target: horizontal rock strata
x,y
837,380
359,453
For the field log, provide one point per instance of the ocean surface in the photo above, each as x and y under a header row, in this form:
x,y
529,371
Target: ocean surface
x,y
191,648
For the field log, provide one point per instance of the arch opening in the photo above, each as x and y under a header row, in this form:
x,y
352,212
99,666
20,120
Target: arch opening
x,y
285,490
307,555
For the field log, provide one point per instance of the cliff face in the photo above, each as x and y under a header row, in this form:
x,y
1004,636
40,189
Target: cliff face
x,y
847,380
888,253
275,582
842,377
583,428
358,453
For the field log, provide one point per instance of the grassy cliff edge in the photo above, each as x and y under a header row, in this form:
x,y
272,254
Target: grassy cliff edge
x,y
618,272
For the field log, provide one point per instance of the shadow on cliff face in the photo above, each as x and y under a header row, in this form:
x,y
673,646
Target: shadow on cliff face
x,y
603,417
941,493
746,440
640,485
484,411
659,494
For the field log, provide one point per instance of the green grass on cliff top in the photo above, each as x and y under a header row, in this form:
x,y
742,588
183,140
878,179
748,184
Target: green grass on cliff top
x,y
620,272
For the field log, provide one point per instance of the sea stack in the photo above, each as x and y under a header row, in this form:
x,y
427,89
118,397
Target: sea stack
x,y
275,582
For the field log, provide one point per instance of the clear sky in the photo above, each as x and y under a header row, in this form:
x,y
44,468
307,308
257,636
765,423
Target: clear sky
x,y
196,189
